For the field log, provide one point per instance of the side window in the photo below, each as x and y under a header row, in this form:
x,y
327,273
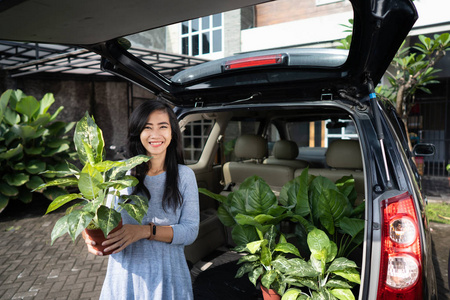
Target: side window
x,y
194,138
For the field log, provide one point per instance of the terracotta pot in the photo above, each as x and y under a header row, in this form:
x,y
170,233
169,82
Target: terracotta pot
x,y
98,237
269,294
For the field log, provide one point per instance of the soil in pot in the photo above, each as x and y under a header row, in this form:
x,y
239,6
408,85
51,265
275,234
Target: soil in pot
x,y
98,237
269,294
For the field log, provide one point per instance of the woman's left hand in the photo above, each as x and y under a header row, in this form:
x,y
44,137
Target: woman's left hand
x,y
123,237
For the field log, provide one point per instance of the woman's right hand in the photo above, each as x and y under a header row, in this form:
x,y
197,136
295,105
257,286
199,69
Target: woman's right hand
x,y
90,243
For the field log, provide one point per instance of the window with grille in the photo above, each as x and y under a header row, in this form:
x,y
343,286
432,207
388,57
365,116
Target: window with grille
x,y
202,36
195,135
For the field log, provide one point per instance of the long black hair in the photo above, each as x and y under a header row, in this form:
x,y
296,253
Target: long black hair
x,y
174,155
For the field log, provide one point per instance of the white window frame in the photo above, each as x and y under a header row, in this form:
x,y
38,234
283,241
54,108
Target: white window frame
x,y
200,33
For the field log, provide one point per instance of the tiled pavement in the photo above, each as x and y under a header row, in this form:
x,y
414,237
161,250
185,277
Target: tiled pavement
x,y
31,268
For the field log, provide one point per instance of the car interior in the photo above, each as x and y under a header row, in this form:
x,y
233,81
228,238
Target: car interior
x,y
224,148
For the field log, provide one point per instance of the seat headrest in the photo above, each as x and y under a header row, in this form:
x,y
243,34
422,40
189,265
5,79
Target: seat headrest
x,y
249,146
284,149
344,154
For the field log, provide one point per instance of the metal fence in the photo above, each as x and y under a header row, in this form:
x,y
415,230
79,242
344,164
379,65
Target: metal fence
x,y
429,121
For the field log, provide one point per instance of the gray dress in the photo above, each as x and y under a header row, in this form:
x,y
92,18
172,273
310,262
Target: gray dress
x,y
151,269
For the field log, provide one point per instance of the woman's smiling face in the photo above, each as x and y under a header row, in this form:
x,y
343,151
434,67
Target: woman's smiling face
x,y
157,134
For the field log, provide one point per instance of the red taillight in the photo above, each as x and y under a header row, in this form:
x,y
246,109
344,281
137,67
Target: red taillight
x,y
401,257
264,60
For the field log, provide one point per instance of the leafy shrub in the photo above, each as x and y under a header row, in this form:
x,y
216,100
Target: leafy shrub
x,y
31,141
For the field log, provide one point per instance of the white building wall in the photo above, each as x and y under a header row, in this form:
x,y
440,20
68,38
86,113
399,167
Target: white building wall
x,y
306,32
434,16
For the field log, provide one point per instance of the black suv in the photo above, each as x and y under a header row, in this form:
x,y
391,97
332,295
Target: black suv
x,y
275,113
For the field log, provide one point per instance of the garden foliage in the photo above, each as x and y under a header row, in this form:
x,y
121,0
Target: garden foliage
x,y
31,141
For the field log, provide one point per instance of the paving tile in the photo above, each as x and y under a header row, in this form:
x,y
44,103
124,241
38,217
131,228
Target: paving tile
x,y
24,295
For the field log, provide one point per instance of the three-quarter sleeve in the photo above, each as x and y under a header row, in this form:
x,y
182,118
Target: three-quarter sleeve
x,y
186,231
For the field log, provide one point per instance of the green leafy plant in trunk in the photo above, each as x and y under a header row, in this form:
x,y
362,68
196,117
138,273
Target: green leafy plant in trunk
x,y
266,259
31,141
328,227
317,202
95,181
308,201
250,208
324,276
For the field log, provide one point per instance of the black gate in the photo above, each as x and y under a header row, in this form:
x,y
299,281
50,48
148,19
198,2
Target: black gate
x,y
428,123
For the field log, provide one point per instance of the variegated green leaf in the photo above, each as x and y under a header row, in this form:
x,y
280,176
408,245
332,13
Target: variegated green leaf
x,y
89,181
287,248
61,200
255,274
341,264
343,294
245,268
291,294
119,172
299,267
108,219
57,182
350,274
77,221
61,227
268,278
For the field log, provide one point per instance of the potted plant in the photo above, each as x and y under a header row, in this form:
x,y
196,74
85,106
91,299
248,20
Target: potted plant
x,y
96,181
264,261
324,276
312,204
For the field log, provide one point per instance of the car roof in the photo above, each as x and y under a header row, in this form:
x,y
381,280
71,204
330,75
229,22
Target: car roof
x,y
379,28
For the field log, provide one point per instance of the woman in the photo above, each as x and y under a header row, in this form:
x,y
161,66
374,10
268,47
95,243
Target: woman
x,y
148,261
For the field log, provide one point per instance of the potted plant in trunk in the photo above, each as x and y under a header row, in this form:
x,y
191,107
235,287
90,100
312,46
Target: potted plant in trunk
x,y
264,261
97,181
324,276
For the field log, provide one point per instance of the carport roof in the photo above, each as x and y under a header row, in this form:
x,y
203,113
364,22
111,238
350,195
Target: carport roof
x,y
21,59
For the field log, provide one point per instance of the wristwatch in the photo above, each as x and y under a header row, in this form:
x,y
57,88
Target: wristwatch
x,y
152,230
